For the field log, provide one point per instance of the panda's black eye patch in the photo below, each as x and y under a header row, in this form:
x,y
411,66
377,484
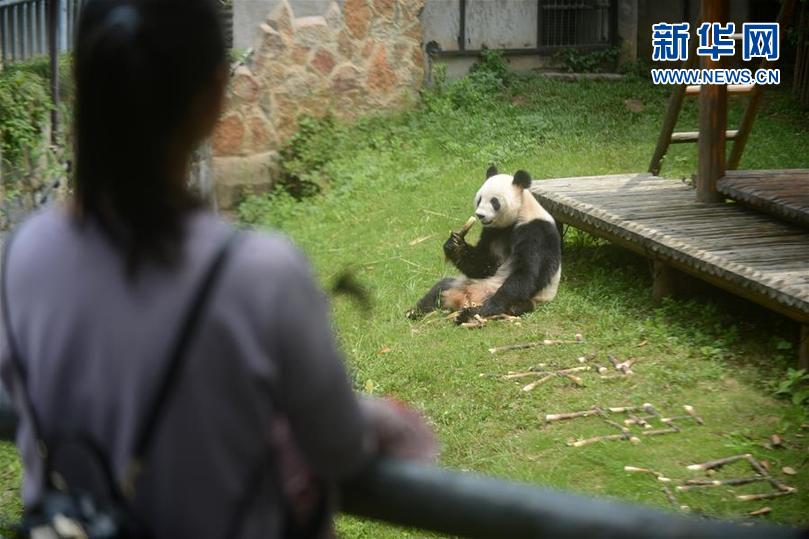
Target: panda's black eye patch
x,y
495,204
477,202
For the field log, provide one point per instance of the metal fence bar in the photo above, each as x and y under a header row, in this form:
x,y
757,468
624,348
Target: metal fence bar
x,y
575,23
24,27
3,33
42,25
472,505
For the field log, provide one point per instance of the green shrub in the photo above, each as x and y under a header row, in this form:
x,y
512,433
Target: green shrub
x,y
24,107
25,104
598,61
795,386
305,155
487,80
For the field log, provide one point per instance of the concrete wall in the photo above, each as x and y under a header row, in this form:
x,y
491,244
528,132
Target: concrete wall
x,y
504,24
500,24
249,14
509,24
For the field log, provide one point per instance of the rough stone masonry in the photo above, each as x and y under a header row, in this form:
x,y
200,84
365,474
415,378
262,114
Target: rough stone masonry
x,y
363,58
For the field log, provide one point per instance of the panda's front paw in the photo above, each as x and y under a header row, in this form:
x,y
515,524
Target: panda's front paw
x,y
454,246
466,315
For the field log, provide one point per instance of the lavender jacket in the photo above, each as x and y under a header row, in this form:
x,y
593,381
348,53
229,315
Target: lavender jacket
x,y
93,343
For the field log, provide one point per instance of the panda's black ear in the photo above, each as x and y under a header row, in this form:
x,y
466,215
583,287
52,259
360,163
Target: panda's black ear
x,y
522,178
491,172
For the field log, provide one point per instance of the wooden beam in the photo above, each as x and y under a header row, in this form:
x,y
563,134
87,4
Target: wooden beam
x,y
784,17
662,281
672,113
713,115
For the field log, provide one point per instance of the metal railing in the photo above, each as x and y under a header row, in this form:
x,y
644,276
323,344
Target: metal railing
x,y
24,27
472,505
574,23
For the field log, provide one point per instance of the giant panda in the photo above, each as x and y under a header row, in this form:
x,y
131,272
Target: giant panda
x,y
515,265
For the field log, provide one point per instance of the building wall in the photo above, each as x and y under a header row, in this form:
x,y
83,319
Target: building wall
x,y
499,24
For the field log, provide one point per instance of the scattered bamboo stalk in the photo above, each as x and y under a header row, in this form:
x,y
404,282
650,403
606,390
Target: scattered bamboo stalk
x,y
759,512
690,411
622,366
670,497
623,409
649,409
535,383
573,378
637,420
759,469
572,415
616,425
658,432
658,475
707,483
596,439
574,369
585,358
626,433
765,496
544,342
420,240
718,463
523,374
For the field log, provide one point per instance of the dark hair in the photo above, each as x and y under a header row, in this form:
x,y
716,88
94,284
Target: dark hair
x,y
139,64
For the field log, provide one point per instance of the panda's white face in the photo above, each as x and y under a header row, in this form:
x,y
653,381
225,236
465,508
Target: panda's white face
x,y
498,201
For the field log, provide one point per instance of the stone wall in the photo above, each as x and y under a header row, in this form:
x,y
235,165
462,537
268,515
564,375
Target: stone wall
x,y
362,58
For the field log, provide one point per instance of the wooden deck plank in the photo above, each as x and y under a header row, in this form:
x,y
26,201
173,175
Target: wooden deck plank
x,y
743,251
783,193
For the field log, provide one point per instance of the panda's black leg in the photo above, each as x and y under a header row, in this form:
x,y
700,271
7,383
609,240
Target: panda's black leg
x,y
431,299
521,307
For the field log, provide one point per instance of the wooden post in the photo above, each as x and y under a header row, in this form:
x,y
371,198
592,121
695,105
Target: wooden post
x,y
803,348
662,281
736,151
713,112
672,112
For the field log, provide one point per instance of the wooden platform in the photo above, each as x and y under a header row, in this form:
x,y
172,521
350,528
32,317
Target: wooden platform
x,y
783,193
745,252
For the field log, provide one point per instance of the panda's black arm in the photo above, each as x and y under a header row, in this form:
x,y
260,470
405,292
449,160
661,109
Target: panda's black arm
x,y
535,260
474,261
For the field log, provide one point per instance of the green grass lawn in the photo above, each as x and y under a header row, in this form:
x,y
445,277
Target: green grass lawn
x,y
393,180
413,176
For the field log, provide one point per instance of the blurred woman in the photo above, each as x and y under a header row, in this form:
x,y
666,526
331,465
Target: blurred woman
x,y
224,417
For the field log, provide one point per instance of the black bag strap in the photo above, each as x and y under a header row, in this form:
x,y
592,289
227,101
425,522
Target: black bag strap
x,y
174,361
16,363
